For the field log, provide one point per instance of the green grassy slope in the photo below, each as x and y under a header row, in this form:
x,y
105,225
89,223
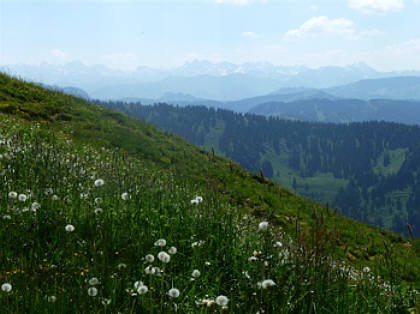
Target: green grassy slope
x,y
66,137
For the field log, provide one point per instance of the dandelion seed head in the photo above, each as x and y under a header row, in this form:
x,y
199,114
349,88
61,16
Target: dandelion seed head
x,y
137,284
125,196
92,292
22,197
263,226
196,273
69,228
222,300
142,289
172,250
98,211
99,182
51,298
93,281
164,257
149,270
13,195
173,292
6,287
267,283
106,301
150,258
160,242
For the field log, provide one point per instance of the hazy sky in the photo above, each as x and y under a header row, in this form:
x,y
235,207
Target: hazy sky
x,y
164,33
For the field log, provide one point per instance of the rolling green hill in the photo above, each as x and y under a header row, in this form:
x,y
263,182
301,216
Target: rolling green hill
x,y
370,170
92,202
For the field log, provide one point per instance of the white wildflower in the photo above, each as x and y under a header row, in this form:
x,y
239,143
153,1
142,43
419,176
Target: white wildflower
x,y
22,197
6,287
142,289
150,258
267,283
99,182
51,298
13,195
69,228
106,301
125,196
92,292
98,211
164,257
173,292
149,270
160,242
263,226
93,281
172,250
196,273
222,300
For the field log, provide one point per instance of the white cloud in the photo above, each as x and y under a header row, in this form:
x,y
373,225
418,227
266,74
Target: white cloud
x,y
59,54
249,35
240,2
376,6
321,25
314,8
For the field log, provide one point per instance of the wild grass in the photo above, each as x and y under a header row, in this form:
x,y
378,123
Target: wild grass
x,y
124,211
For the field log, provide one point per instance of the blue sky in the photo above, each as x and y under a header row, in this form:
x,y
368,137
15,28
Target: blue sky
x,y
125,34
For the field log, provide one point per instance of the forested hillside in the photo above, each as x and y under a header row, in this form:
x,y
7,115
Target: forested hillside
x,y
369,170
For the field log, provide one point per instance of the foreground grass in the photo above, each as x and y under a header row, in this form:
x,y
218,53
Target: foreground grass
x,y
111,260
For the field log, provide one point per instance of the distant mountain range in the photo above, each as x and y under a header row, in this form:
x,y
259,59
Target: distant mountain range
x,y
200,79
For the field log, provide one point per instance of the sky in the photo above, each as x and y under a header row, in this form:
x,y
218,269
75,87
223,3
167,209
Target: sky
x,y
125,34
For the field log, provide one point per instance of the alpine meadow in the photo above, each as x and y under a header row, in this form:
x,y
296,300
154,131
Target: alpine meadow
x,y
209,156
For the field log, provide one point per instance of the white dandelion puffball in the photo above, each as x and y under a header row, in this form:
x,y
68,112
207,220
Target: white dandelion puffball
x,y
194,202
22,197
222,300
172,250
149,258
98,200
137,284
173,292
35,206
106,301
98,211
366,269
142,289
6,287
69,228
52,298
149,270
278,244
196,273
13,194
160,242
199,199
99,182
92,292
267,283
93,281
164,257
262,226
125,196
